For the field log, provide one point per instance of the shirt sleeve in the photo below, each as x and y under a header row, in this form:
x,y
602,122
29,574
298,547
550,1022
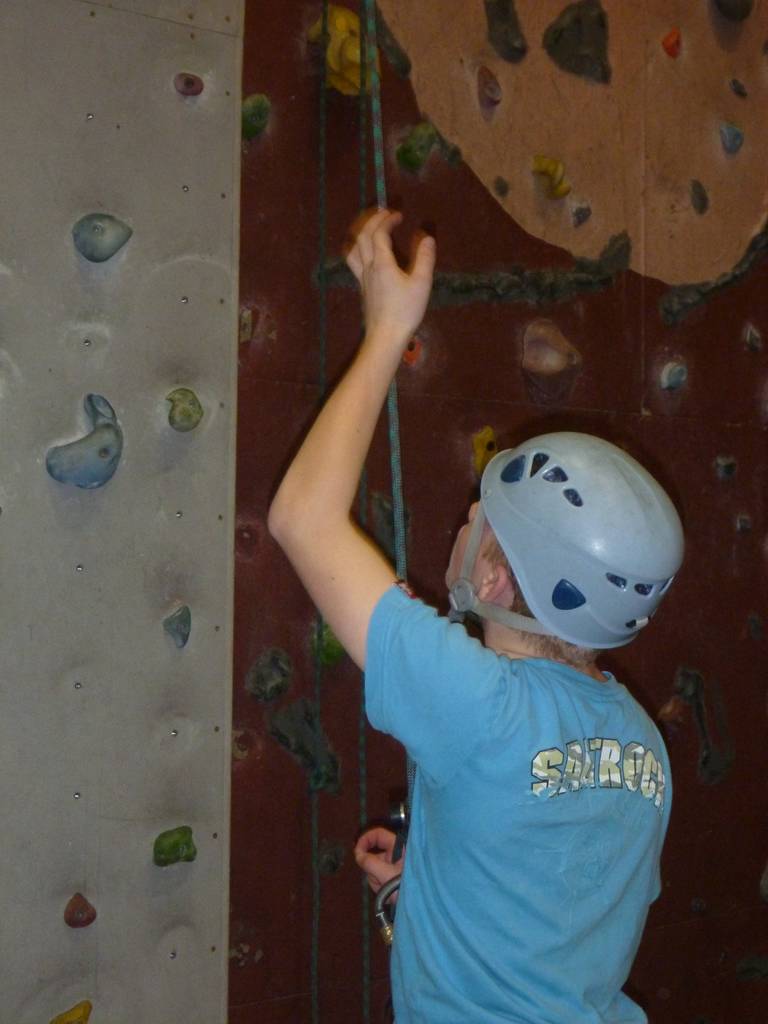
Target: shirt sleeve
x,y
430,685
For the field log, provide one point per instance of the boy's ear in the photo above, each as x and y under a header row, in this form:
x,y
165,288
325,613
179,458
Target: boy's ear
x,y
497,586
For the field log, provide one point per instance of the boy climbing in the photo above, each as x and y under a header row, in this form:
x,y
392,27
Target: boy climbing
x,y
543,790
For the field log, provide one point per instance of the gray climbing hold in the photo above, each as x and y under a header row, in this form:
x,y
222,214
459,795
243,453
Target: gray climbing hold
x,y
734,10
699,197
673,375
504,32
732,137
752,337
738,88
577,41
270,675
297,727
186,411
330,857
725,467
178,625
580,214
743,522
98,236
92,460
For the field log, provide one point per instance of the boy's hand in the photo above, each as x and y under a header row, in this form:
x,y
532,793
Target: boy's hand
x,y
394,300
373,853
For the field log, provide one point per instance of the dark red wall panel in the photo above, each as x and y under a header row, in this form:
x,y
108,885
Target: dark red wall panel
x,y
707,939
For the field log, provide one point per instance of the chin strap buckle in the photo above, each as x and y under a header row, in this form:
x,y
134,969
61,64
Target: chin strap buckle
x,y
462,598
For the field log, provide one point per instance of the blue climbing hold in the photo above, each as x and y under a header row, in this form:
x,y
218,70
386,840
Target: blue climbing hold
x,y
179,625
92,460
98,236
731,136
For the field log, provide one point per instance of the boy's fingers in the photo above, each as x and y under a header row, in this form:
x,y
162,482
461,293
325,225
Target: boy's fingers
x,y
354,262
382,233
360,239
374,839
423,264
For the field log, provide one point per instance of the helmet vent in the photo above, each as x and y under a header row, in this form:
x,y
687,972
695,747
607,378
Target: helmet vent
x,y
513,471
556,475
617,581
566,597
573,496
538,460
644,588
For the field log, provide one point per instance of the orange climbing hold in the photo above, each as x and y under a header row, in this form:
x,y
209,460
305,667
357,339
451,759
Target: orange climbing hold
x,y
77,1015
672,42
413,351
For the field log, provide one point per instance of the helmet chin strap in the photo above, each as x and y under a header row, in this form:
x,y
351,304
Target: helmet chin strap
x,y
463,596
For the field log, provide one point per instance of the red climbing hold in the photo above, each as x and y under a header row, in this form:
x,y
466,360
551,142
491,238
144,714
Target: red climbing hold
x,y
413,351
79,913
188,84
671,42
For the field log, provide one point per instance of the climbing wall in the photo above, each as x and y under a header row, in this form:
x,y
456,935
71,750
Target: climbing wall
x,y
601,266
118,323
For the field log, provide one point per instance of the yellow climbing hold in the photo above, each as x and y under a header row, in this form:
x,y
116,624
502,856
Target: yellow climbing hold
x,y
555,171
77,1015
484,447
343,55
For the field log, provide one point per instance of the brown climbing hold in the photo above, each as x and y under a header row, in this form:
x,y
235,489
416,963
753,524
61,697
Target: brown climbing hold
x,y
550,362
79,913
488,91
188,84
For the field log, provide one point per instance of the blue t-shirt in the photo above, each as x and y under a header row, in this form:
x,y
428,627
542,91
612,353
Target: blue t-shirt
x,y
539,811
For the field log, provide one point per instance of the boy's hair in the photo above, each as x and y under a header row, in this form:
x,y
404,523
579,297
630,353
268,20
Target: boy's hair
x,y
551,647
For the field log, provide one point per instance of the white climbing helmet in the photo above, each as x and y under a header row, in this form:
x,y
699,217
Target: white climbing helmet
x,y
592,538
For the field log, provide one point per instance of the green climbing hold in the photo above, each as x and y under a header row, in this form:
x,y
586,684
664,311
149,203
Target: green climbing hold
x,y
186,411
174,846
414,151
326,647
98,236
256,111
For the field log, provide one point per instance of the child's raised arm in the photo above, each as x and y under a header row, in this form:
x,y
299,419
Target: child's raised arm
x,y
343,571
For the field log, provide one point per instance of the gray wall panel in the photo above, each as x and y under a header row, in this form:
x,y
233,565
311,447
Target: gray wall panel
x,y
95,698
